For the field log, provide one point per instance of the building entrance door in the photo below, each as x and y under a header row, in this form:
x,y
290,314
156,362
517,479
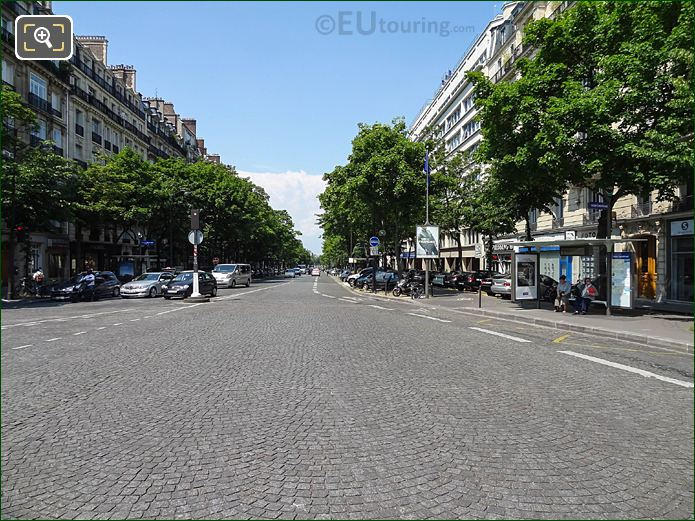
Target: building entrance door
x,y
645,252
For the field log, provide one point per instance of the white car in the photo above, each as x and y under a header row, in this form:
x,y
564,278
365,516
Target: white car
x,y
290,274
316,272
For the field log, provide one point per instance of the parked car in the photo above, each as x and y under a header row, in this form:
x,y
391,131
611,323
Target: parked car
x,y
231,275
439,279
105,285
298,272
384,279
146,285
473,281
181,286
352,278
344,275
290,274
501,286
486,282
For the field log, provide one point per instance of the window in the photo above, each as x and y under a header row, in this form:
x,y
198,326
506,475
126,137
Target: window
x,y
40,130
78,152
7,25
58,137
37,86
79,117
451,120
56,102
559,208
8,72
533,216
96,126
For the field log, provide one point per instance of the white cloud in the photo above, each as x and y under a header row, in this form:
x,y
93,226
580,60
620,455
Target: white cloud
x,y
295,192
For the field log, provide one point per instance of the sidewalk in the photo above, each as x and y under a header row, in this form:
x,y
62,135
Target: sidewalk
x,y
647,327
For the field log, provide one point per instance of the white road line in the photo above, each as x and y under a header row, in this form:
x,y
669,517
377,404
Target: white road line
x,y
646,374
22,347
509,337
346,300
134,319
431,318
178,309
53,339
244,293
328,296
118,323
100,328
380,307
79,333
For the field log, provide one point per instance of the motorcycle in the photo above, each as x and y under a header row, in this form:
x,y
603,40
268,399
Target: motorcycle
x,y
407,287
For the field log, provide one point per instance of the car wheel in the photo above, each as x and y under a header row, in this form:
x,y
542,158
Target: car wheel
x,y
153,292
213,291
233,284
116,292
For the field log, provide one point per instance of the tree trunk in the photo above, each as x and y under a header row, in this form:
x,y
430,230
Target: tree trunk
x,y
488,252
529,237
459,260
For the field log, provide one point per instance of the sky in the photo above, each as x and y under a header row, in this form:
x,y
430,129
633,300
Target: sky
x,y
278,88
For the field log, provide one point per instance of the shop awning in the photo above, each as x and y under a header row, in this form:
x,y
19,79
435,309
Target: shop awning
x,y
608,243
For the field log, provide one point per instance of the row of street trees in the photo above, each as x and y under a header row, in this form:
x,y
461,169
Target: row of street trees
x,y
604,103
130,195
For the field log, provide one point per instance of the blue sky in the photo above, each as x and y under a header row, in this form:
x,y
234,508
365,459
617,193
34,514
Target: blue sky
x,y
272,95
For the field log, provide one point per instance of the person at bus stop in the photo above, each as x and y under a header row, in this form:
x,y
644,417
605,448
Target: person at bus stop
x,y
562,300
588,293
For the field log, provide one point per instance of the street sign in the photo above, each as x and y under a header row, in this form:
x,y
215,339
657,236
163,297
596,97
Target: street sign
x,y
382,233
374,251
195,237
374,241
596,205
479,251
147,243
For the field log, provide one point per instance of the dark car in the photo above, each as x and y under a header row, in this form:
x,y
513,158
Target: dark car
x,y
384,279
457,279
486,282
473,281
344,275
105,285
181,286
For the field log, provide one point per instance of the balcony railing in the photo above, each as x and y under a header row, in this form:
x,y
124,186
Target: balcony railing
x,y
96,138
56,112
83,164
79,130
641,210
684,204
39,103
35,140
7,36
558,222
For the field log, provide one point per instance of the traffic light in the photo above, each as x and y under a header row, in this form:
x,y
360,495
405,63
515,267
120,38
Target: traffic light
x,y
22,233
195,219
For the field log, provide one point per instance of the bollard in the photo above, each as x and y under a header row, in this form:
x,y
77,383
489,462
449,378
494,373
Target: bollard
x,y
480,296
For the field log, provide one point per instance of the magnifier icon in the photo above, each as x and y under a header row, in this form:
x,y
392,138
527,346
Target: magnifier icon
x,y
42,35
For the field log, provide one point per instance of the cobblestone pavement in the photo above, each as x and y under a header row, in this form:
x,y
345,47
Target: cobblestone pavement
x,y
300,399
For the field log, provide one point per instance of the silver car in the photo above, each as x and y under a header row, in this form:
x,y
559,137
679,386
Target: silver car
x,y
501,286
232,275
146,285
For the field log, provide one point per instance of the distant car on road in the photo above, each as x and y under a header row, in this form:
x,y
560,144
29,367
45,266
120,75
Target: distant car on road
x,y
315,272
146,285
181,286
229,275
290,274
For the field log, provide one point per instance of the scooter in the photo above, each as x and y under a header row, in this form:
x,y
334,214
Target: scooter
x,y
406,287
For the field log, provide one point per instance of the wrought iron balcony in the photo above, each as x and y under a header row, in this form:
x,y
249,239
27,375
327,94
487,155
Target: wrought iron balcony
x,y
58,150
114,148
39,103
641,210
107,144
83,164
7,36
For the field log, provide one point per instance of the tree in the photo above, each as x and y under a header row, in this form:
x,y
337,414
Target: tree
x,y
621,113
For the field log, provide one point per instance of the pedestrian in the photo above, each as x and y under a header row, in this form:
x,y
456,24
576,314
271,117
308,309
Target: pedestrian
x,y
588,294
562,300
38,279
89,281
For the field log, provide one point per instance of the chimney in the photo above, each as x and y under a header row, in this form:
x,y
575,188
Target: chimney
x,y
200,143
213,158
190,124
125,73
98,45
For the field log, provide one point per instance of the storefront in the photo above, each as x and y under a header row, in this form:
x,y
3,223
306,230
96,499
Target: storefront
x,y
680,260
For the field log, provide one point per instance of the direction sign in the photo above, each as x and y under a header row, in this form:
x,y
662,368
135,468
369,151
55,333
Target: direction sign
x,y
146,243
596,205
374,251
374,241
195,237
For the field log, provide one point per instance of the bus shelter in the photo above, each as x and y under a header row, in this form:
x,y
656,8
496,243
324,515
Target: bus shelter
x,y
616,269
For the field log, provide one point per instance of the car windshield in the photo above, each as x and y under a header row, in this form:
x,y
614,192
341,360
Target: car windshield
x,y
147,276
224,268
183,277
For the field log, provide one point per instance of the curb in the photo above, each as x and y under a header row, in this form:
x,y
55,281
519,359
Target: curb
x,y
562,326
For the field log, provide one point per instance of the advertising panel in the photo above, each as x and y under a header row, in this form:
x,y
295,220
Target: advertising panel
x,y
621,280
427,242
526,266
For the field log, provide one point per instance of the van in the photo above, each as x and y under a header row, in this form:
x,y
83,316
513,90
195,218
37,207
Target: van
x,y
232,275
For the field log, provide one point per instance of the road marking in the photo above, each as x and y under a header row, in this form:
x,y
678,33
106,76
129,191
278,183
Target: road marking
x,y
22,347
381,307
329,296
431,318
134,319
53,339
561,339
646,374
79,333
509,337
100,328
465,298
484,321
176,309
118,323
240,294
346,300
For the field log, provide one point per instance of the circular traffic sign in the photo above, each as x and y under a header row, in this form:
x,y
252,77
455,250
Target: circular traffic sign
x,y
195,237
374,241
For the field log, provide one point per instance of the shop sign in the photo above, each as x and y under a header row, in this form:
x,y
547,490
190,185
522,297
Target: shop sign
x,y
682,227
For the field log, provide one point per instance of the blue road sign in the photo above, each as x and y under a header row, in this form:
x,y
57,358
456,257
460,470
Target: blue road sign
x,y
595,205
146,243
374,241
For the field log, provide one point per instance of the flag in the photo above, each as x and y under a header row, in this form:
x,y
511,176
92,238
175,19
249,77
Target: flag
x,y
427,167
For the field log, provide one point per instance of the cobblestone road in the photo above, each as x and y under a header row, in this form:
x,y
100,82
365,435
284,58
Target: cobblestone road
x,y
301,399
